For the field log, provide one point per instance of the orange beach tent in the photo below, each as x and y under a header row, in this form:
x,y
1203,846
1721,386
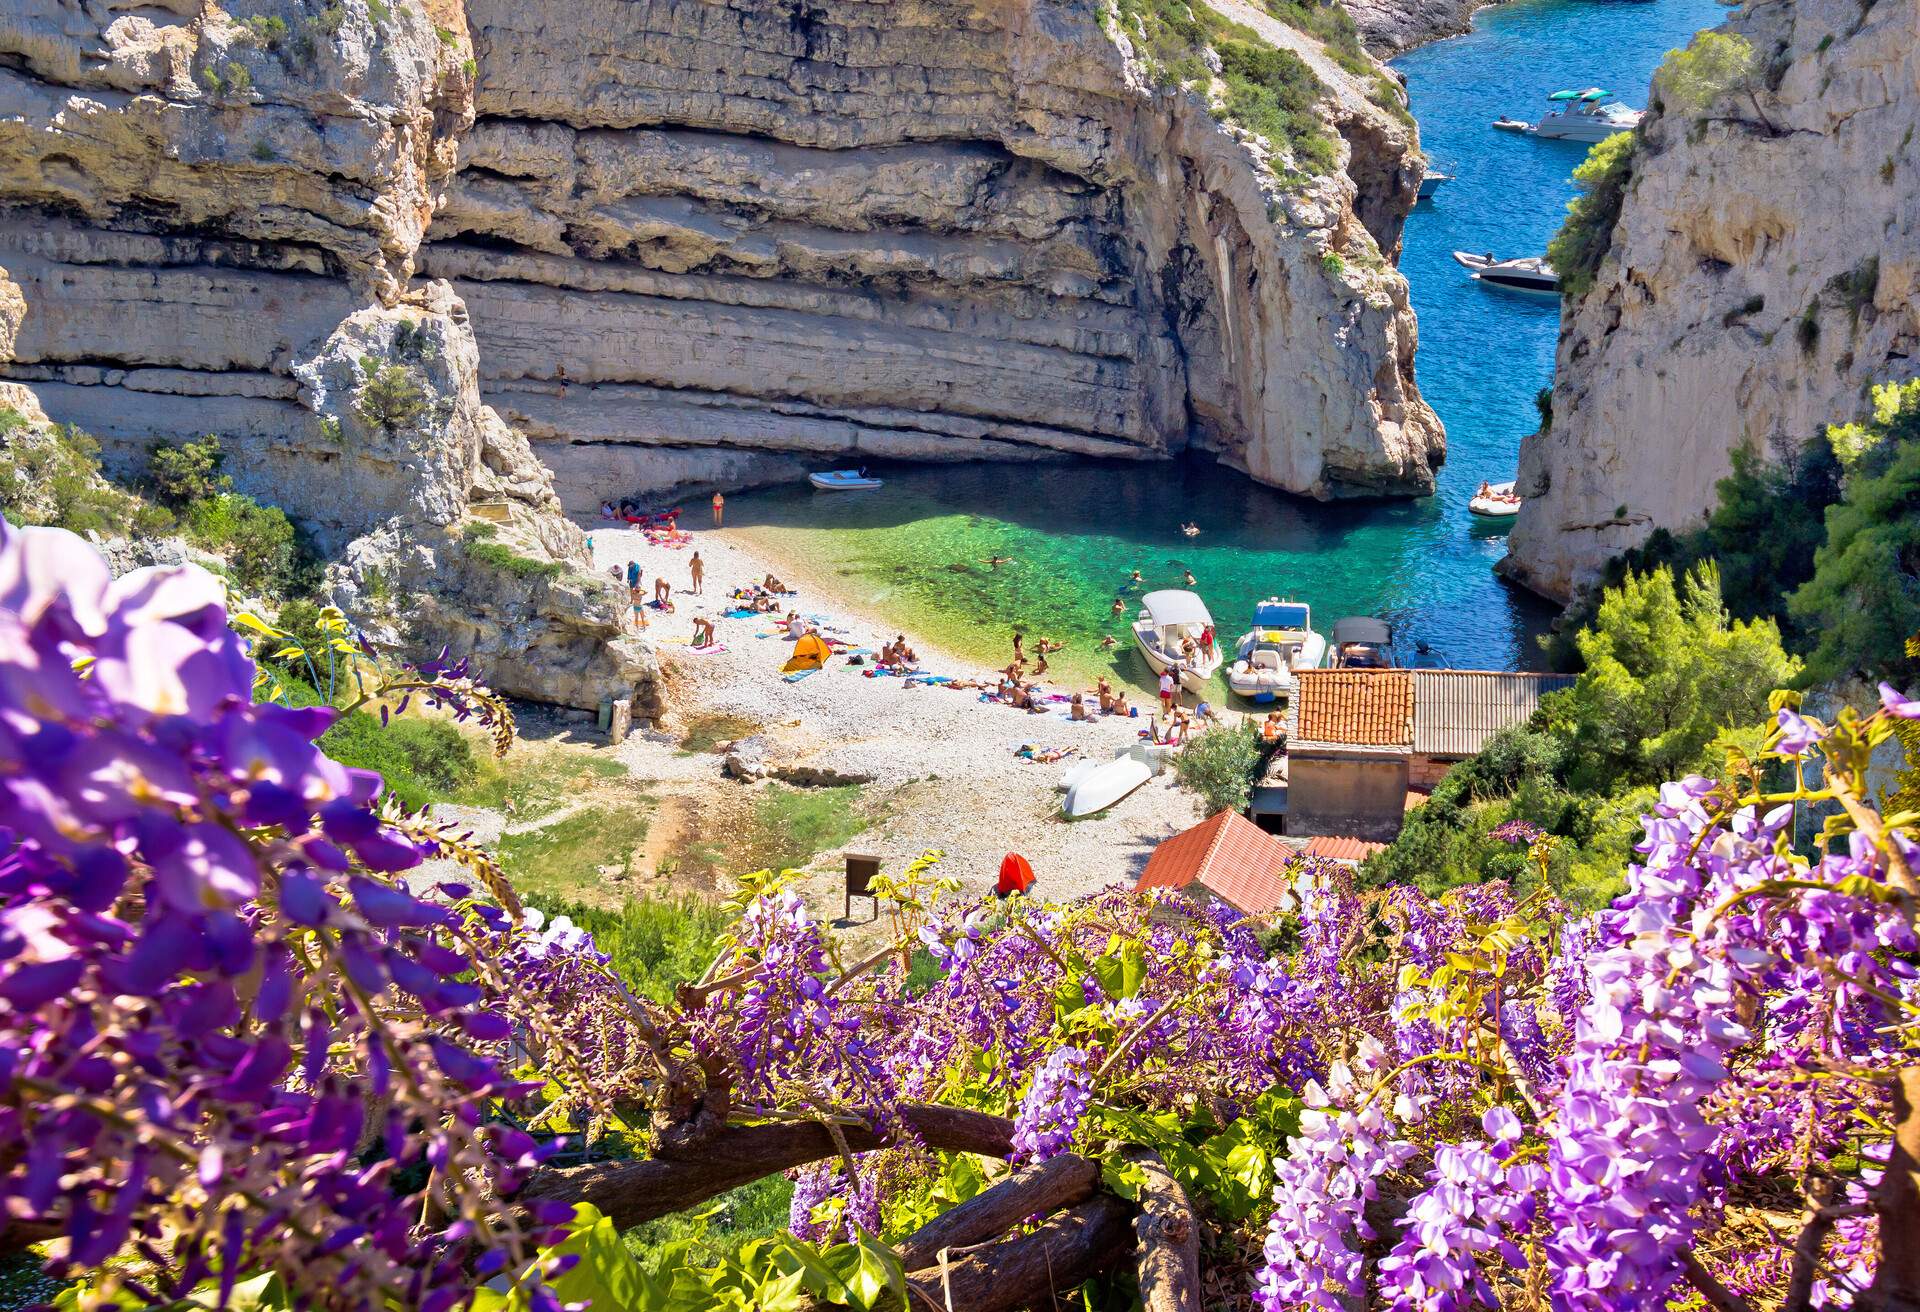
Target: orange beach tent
x,y
809,653
1016,876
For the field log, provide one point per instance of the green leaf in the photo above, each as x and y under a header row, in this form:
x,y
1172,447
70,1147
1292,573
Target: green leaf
x,y
1123,1177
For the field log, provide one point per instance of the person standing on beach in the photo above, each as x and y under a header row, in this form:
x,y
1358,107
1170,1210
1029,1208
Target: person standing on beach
x,y
638,600
719,509
1019,648
697,568
633,574
1166,691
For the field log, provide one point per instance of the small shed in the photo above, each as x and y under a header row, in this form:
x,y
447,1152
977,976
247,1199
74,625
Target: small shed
x,y
1226,857
1349,751
1456,711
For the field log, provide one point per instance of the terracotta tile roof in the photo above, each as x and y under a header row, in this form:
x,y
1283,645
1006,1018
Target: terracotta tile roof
x,y
1456,711
1353,708
1231,857
1343,849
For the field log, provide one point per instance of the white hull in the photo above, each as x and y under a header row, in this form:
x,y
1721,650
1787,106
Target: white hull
x,y
842,480
1266,684
1582,128
1495,506
1093,786
1193,677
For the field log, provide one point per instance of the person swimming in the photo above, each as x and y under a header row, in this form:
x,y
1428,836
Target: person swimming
x,y
996,560
1109,642
1191,530
1188,575
1119,606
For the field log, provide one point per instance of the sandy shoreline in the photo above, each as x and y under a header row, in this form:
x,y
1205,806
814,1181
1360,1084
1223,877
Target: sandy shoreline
x,y
942,763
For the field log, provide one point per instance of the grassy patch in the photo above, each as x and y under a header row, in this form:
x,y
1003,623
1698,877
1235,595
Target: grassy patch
x,y
537,782
421,760
476,539
794,825
564,859
655,942
706,732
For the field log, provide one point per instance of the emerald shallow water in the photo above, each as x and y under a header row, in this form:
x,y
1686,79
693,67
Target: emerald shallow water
x,y
914,550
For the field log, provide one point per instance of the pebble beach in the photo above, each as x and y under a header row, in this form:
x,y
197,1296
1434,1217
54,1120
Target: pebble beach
x,y
943,763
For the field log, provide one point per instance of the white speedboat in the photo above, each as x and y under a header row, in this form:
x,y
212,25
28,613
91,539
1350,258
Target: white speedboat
x,y
1280,643
1529,273
1497,502
1093,786
1362,643
1431,183
843,480
1587,115
1167,619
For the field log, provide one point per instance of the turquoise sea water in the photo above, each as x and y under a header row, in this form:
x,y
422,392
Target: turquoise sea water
x,y
915,549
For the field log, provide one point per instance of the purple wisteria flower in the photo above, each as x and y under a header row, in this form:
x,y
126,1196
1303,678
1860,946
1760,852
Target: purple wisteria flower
x,y
1051,1110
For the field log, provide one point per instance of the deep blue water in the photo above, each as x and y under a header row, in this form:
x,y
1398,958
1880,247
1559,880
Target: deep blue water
x,y
1484,354
914,549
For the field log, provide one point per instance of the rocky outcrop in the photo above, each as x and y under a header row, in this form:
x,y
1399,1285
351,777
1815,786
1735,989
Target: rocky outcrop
x,y
1390,27
1764,270
212,227
673,242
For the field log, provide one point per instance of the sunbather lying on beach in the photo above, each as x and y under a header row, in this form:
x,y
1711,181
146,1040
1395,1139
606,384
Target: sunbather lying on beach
x,y
773,584
765,605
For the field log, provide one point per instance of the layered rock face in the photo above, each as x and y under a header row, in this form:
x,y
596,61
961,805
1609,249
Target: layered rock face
x,y
672,242
211,227
1392,26
1759,279
699,239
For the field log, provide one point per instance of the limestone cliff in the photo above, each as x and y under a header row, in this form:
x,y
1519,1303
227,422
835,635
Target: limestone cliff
x,y
1762,273
700,239
1392,26
679,241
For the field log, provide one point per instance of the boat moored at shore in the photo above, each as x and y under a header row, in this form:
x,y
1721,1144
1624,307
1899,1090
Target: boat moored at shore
x,y
1281,642
1168,620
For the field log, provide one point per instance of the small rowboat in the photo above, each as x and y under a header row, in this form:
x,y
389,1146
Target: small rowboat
x,y
843,480
1093,786
1498,503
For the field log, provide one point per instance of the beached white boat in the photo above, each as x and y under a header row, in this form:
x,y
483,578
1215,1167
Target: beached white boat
x,y
1498,503
1281,642
1361,643
1093,786
842,480
1167,619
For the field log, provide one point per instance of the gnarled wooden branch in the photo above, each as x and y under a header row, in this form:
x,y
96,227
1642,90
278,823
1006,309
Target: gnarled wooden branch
x,y
1896,1280
1169,1239
1717,1295
629,1193
1072,1247
1033,1191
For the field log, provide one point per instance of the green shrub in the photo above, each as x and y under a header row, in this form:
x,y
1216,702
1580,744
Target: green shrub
x,y
1219,765
239,80
1273,92
259,542
52,476
420,760
506,559
180,474
1586,235
1713,65
263,150
655,942
379,11
391,396
268,30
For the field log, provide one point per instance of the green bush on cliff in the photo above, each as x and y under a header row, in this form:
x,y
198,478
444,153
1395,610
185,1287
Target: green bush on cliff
x,y
50,475
477,540
1586,235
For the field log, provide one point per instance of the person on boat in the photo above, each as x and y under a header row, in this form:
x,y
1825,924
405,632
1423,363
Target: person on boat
x,y
1079,706
698,568
1188,649
1206,640
1486,489
1166,690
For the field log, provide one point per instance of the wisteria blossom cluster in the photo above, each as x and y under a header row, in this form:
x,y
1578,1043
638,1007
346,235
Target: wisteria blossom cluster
x,y
226,1029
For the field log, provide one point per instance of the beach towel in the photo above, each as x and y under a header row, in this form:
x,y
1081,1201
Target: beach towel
x,y
710,649
798,675
738,614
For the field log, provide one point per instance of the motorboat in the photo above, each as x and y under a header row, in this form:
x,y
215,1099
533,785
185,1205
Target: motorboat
x,y
1588,115
1497,502
1269,655
1529,273
843,480
1093,786
1362,643
1167,619
1431,183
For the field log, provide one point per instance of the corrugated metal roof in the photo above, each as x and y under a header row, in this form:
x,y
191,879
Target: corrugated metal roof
x,y
1352,708
1456,711
1233,858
